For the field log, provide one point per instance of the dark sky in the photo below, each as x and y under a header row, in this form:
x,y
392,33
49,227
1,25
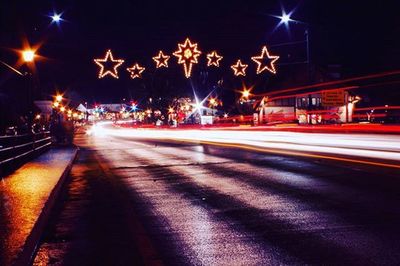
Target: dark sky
x,y
362,36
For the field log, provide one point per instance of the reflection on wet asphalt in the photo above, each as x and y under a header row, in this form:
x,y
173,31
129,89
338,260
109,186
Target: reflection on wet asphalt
x,y
142,202
23,195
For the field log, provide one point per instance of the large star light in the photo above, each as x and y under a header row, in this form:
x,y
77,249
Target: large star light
x,y
107,60
187,55
262,65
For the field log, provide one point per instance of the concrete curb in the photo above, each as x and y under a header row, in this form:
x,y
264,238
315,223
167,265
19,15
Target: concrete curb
x,y
26,256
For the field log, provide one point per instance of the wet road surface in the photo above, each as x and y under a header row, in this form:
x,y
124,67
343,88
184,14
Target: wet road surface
x,y
134,202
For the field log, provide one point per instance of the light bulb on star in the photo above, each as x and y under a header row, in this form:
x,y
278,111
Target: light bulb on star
x,y
107,59
239,69
136,71
262,65
187,55
213,59
161,60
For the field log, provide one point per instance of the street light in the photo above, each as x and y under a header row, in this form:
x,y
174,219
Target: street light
x,y
59,98
28,55
245,93
285,18
56,18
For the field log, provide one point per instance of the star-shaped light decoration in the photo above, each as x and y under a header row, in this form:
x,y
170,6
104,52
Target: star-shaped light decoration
x,y
265,61
239,69
213,59
187,56
136,71
107,60
161,60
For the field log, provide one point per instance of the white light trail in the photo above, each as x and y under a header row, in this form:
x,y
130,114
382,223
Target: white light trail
x,y
386,147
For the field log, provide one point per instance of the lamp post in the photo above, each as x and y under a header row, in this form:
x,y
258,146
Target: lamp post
x,y
28,57
285,19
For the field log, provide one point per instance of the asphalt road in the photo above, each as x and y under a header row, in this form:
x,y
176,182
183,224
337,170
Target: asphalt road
x,y
136,201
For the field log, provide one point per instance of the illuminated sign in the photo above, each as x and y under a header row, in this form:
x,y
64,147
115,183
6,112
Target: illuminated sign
x,y
333,98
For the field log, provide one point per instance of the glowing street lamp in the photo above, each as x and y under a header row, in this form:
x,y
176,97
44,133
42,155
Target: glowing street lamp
x,y
28,55
285,19
56,104
246,93
59,98
62,108
56,18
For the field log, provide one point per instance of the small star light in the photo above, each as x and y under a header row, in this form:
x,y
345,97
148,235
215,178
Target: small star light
x,y
136,71
161,60
213,59
109,58
265,57
239,69
187,55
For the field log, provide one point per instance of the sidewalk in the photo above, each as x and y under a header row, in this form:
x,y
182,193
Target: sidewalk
x,y
26,198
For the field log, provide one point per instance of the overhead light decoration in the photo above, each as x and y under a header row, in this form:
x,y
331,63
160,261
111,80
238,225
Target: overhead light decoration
x,y
161,60
239,69
187,55
262,65
213,59
108,58
136,71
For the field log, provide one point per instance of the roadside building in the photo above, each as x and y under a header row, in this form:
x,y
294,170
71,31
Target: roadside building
x,y
325,106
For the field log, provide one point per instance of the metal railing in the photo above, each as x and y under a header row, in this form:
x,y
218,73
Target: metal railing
x,y
16,147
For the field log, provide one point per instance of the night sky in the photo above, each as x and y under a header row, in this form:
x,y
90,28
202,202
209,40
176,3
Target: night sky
x,y
360,36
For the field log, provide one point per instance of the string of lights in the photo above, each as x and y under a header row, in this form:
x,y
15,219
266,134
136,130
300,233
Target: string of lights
x,y
187,54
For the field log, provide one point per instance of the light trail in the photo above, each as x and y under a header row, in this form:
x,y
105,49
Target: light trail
x,y
354,148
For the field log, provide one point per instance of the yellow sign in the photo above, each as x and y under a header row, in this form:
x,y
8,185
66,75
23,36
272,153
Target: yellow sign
x,y
333,98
